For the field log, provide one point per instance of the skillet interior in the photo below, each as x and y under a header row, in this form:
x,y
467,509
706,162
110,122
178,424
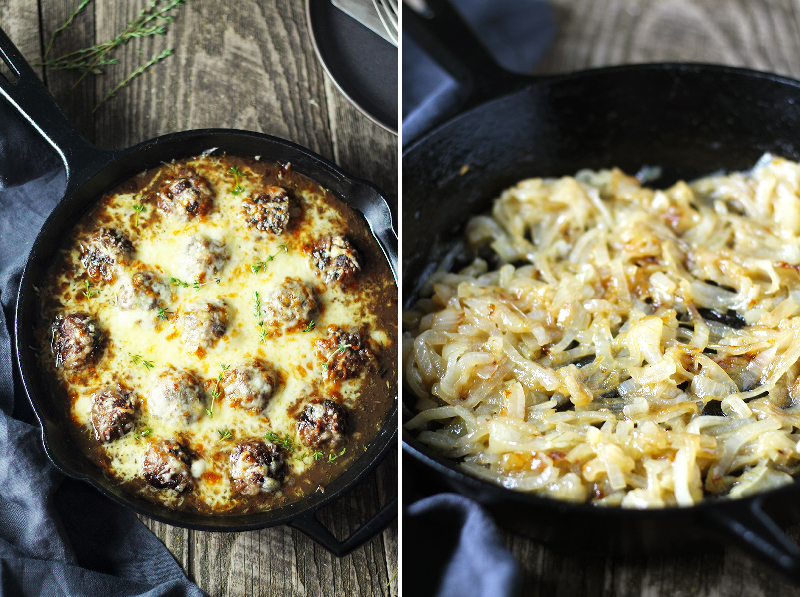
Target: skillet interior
x,y
688,119
60,448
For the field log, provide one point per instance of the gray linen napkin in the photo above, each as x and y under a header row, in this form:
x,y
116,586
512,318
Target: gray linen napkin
x,y
58,536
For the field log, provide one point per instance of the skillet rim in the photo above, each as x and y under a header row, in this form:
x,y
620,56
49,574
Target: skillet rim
x,y
446,467
378,447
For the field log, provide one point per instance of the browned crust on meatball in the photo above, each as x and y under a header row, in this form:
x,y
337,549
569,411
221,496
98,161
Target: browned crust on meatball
x,y
103,251
113,413
203,324
335,259
167,466
76,341
345,354
253,464
186,195
267,210
322,423
289,305
240,389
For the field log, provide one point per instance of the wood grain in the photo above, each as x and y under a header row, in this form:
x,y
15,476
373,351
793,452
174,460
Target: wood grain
x,y
249,65
759,34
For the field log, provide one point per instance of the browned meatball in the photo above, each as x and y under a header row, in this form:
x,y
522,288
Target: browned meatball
x,y
112,413
256,466
176,395
346,354
167,466
322,423
76,340
203,324
202,259
143,290
185,196
335,258
250,385
289,305
103,252
267,210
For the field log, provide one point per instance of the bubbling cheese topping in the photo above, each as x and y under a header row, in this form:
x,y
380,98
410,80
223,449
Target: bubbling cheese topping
x,y
630,346
204,326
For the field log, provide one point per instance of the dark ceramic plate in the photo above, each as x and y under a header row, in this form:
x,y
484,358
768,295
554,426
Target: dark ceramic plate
x,y
361,63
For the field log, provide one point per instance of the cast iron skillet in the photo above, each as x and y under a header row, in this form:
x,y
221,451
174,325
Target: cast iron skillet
x,y
92,171
688,119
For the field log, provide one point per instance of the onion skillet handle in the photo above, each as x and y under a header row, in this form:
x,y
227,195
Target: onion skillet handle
x,y
758,534
30,98
313,528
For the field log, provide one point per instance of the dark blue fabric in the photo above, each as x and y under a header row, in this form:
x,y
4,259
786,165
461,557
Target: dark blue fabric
x,y
517,32
457,552
58,536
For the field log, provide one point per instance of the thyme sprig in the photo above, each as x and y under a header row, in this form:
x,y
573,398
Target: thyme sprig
x,y
137,435
332,457
225,434
87,292
310,326
262,265
138,72
341,348
152,20
138,208
197,285
217,392
177,282
137,359
259,319
286,442
237,173
163,313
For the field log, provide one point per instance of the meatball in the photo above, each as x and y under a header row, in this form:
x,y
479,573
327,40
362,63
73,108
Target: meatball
x,y
112,413
289,305
175,396
267,210
76,340
335,258
167,466
322,422
256,466
185,196
103,252
250,385
202,324
143,290
202,259
346,353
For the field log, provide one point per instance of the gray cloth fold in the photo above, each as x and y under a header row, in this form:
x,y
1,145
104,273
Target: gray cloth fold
x,y
58,536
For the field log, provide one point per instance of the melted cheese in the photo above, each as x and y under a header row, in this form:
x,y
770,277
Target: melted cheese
x,y
140,345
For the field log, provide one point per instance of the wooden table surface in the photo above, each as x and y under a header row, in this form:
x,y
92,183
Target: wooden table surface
x,y
248,64
759,34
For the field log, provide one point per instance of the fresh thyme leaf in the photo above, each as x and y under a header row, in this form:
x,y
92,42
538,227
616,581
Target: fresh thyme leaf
x,y
225,434
139,71
137,359
286,442
262,265
341,348
237,173
196,284
138,208
317,455
259,320
137,435
148,364
163,313
63,26
311,325
88,293
177,282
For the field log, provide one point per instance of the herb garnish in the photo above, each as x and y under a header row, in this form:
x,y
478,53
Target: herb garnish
x,y
177,282
137,358
225,434
216,392
137,435
197,285
259,318
88,293
332,457
317,455
238,188
138,208
285,442
262,265
341,348
152,20
163,313
311,325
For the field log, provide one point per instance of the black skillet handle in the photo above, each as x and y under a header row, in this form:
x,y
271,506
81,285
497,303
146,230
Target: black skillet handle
x,y
30,98
755,532
308,524
452,43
